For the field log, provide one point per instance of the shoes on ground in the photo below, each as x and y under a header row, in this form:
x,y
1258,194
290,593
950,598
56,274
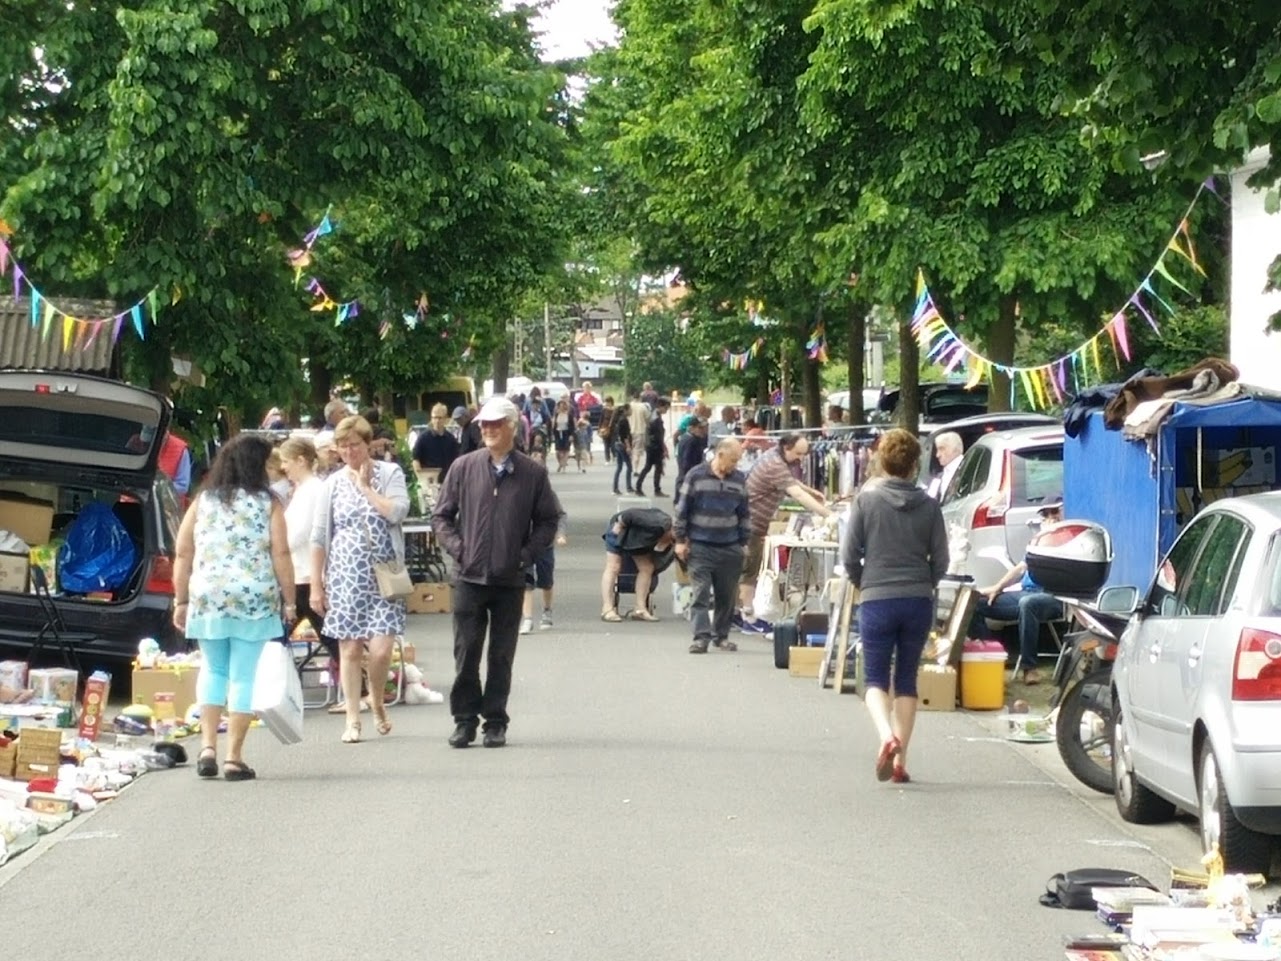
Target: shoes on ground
x,y
464,734
526,625
698,647
900,776
756,626
495,736
736,620
545,622
725,644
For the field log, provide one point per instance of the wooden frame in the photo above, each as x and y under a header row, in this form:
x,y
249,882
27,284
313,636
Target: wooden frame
x,y
958,622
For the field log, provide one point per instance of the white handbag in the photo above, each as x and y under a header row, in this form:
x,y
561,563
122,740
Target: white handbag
x,y
767,603
277,696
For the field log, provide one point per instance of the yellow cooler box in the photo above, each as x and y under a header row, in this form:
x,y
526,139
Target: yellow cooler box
x,y
983,676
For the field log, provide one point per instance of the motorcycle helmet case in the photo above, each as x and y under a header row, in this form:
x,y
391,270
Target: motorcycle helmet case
x,y
1071,558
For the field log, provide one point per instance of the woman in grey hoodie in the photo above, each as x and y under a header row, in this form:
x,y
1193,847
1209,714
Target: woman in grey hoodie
x,y
895,554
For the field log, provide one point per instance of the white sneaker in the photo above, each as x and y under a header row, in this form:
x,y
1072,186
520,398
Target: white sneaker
x,y
526,625
545,624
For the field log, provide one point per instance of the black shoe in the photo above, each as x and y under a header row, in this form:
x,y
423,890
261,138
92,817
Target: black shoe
x,y
698,647
495,737
616,494
463,735
658,493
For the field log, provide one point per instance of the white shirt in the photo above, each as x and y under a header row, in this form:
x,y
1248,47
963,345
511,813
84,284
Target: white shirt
x,y
938,487
300,515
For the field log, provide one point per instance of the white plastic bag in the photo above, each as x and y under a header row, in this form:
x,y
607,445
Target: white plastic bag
x,y
767,604
277,696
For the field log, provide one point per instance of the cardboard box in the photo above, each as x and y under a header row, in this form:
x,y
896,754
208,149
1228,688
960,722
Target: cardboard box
x,y
30,519
936,688
176,679
430,598
54,685
804,661
8,757
14,573
39,753
13,675
97,693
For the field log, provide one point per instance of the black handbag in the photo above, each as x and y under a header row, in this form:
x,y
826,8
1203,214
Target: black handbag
x,y
1074,889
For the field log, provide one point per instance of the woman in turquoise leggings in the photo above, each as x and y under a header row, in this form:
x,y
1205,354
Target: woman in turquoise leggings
x,y
233,592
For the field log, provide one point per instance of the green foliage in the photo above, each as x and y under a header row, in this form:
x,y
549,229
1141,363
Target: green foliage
x,y
661,352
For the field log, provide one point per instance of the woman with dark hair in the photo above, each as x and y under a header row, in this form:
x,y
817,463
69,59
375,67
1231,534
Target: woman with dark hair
x,y
620,437
357,523
233,592
895,553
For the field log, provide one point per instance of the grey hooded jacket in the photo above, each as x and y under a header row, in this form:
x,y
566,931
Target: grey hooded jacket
x,y
896,545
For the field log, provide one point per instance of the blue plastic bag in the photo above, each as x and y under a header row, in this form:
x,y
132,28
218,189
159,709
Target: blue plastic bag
x,y
97,554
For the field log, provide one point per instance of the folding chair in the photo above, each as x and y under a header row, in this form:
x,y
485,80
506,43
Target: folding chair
x,y
54,628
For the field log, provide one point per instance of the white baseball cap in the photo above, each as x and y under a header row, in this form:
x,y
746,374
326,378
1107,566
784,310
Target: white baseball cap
x,y
497,408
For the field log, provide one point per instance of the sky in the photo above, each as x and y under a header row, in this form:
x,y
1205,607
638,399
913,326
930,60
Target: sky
x,y
570,27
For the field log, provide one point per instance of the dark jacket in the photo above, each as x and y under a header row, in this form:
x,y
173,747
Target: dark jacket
x,y
896,545
495,528
655,442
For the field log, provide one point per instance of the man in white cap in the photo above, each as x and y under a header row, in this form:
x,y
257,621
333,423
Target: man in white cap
x,y
495,515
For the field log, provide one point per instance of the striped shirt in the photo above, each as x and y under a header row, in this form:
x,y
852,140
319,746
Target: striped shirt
x,y
713,510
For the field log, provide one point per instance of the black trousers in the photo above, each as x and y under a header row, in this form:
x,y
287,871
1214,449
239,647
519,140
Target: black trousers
x,y
714,570
653,461
479,608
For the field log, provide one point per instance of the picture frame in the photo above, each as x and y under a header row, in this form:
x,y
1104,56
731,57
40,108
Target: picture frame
x,y
958,621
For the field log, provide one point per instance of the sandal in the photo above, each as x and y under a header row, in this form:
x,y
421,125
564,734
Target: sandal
x,y
612,616
237,771
899,775
351,735
885,758
207,763
341,707
641,615
382,723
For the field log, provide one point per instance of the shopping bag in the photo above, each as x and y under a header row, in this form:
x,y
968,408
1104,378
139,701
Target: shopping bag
x,y
767,605
277,696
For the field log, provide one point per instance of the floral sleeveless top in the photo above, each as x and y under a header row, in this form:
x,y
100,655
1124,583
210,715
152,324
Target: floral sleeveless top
x,y
232,573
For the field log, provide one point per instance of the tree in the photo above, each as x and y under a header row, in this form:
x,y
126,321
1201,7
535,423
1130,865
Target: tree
x,y
189,147
661,352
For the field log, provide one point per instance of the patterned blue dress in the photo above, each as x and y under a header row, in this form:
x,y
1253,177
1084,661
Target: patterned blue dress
x,y
355,608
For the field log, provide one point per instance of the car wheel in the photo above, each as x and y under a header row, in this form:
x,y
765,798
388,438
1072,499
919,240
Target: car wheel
x,y
1083,730
785,635
1243,850
1135,803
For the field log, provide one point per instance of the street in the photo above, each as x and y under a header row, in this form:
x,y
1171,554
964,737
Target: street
x,y
650,805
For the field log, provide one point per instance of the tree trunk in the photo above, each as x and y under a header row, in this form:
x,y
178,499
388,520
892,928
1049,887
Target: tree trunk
x,y
854,361
321,380
502,368
908,415
1000,344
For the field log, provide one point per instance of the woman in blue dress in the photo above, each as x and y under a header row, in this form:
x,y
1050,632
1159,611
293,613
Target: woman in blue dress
x,y
357,523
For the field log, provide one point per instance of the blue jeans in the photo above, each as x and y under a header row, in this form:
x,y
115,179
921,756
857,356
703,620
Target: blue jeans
x,y
894,629
624,461
1030,609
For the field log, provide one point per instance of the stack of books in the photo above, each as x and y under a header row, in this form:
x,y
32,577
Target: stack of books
x,y
1115,906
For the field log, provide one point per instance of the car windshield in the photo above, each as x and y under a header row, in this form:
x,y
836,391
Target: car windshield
x,y
1037,473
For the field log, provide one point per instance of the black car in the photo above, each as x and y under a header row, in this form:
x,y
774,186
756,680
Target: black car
x,y
940,403
67,441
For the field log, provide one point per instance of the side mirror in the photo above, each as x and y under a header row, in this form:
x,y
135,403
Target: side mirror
x,y
1118,600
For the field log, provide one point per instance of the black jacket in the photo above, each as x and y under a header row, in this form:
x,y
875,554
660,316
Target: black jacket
x,y
495,528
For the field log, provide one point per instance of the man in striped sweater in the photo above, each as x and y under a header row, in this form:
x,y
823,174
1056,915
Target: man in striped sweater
x,y
712,527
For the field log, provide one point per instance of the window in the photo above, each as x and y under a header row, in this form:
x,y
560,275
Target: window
x,y
1036,473
1212,579
972,476
1171,575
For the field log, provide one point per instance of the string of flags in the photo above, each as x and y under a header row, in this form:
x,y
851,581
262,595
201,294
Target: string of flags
x,y
816,346
300,259
77,332
741,360
1046,384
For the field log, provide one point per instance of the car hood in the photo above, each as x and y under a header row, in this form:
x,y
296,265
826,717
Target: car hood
x,y
100,429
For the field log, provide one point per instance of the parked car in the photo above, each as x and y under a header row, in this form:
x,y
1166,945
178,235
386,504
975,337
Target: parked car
x,y
66,441
971,429
1198,684
871,402
1003,480
941,403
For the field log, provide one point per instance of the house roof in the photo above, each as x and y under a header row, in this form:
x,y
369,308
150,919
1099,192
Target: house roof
x,y
28,347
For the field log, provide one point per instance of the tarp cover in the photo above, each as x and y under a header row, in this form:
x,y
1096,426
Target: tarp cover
x,y
1143,500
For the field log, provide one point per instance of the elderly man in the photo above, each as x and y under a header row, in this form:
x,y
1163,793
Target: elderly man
x,y
711,529
495,515
948,448
335,411
775,477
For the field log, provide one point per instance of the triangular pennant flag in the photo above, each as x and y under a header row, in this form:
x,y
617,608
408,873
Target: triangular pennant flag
x,y
1191,251
1138,302
151,303
115,329
135,314
35,301
94,327
17,282
342,314
1094,344
976,372
46,321
1027,387
4,257
1112,339
1122,335
1161,269
68,327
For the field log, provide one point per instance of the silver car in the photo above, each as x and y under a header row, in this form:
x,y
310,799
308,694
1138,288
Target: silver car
x,y
1198,684
1003,480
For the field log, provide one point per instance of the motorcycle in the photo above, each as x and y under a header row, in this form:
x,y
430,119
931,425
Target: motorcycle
x,y
1083,699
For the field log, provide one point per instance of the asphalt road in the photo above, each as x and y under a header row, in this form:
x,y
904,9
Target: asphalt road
x,y
650,804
